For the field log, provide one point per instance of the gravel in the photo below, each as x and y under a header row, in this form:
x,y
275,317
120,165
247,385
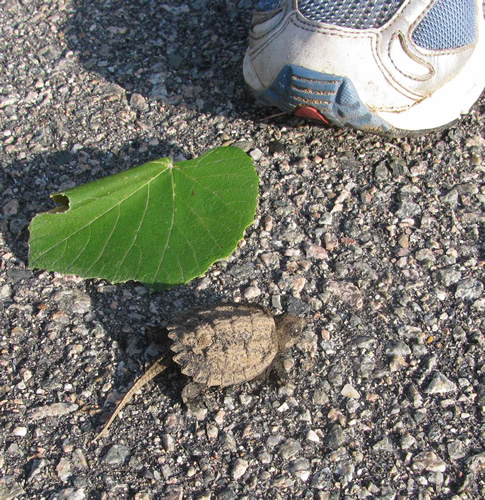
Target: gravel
x,y
378,243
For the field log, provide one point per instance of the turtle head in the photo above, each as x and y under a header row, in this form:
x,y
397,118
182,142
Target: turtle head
x,y
288,329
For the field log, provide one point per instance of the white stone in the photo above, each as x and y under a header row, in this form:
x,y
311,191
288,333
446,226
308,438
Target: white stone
x,y
348,391
440,385
252,292
239,468
312,436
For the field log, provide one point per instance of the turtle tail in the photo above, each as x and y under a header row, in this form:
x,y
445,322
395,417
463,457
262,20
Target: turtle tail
x,y
158,367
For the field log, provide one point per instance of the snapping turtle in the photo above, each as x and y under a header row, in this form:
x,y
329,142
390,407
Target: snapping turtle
x,y
221,345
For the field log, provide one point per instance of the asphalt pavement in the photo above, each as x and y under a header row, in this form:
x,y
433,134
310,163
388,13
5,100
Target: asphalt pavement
x,y
377,243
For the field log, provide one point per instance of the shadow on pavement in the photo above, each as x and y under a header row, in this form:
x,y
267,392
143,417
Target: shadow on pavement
x,y
180,52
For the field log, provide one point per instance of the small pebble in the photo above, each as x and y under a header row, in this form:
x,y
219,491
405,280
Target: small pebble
x,y
264,457
239,468
476,462
469,289
256,154
346,471
37,466
168,442
407,209
425,255
219,418
457,449
6,292
289,449
297,284
312,436
346,292
331,241
397,348
229,442
275,440
69,494
316,252
138,102
348,391
79,460
429,461
11,208
440,384
407,440
335,438
245,399
252,292
53,410
449,276
63,469
403,241
283,407
212,431
385,444
116,455
301,469
20,431
381,172
199,412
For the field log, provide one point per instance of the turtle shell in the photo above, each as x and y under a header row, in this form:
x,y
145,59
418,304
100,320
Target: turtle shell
x,y
225,344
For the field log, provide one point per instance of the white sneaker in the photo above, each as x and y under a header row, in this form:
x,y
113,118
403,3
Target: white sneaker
x,y
385,66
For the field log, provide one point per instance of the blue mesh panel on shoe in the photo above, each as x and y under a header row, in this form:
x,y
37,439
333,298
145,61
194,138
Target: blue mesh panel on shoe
x,y
356,14
267,5
449,24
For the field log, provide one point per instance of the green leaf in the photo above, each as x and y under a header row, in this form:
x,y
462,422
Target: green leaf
x,y
161,223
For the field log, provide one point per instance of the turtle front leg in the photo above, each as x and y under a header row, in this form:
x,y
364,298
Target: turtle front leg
x,y
279,371
191,393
